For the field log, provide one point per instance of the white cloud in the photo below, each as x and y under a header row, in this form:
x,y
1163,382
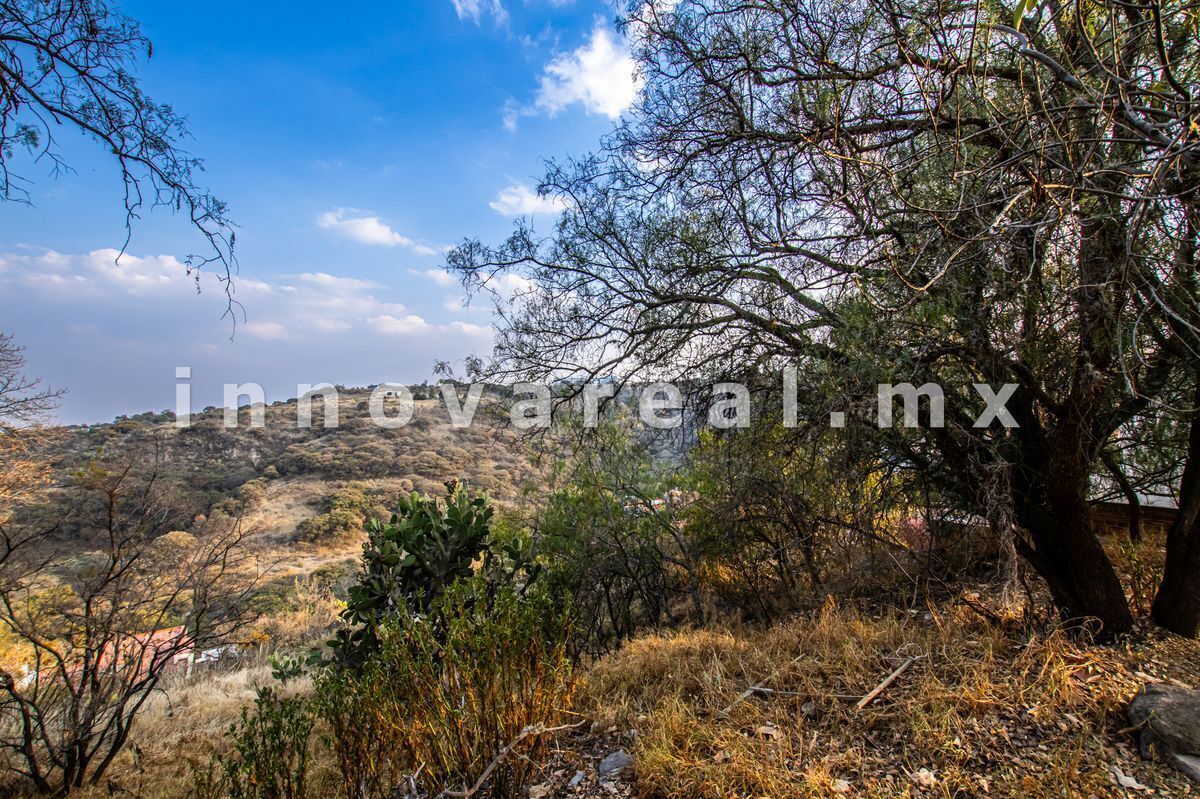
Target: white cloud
x,y
286,305
399,326
363,229
283,307
478,331
512,113
126,327
366,228
266,330
330,325
439,276
599,75
328,281
510,284
251,286
100,270
413,325
475,9
520,200
661,7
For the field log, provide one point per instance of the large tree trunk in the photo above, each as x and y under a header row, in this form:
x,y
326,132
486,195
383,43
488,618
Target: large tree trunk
x,y
1051,499
1048,478
1177,606
1085,585
1081,578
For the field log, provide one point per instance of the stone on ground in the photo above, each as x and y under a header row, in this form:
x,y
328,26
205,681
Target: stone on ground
x,y
615,762
1168,717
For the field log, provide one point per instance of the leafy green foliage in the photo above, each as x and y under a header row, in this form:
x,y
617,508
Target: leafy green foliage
x,y
346,511
452,697
614,542
270,757
409,561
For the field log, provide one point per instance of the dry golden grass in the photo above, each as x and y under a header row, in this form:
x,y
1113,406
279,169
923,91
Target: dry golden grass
x,y
181,725
984,710
310,612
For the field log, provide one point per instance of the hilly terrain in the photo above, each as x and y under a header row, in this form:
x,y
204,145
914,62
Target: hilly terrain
x,y
953,693
302,494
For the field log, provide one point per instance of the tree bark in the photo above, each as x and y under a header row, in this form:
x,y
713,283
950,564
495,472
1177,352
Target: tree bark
x,y
1177,605
1080,574
1065,550
1082,581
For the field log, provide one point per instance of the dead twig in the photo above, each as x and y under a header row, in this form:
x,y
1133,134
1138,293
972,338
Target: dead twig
x,y
532,729
758,687
891,678
983,611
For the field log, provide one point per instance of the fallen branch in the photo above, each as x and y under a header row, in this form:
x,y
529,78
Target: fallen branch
x,y
757,688
891,678
532,729
981,610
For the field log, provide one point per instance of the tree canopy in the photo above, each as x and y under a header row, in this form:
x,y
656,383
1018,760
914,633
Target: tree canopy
x,y
907,190
69,65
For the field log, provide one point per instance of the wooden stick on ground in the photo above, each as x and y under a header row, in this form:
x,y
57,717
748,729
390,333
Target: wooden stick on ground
x,y
891,678
532,729
759,687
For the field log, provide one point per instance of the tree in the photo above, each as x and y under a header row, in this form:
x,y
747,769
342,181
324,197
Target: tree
x,y
23,400
24,404
792,508
100,617
615,538
69,64
903,191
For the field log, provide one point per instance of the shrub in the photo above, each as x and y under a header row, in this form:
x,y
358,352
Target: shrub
x,y
326,526
449,701
409,562
98,617
346,512
616,542
307,612
271,748
253,492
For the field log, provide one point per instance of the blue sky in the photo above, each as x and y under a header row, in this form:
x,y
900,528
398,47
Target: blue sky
x,y
353,148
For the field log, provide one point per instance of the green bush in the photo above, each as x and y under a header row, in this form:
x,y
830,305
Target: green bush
x,y
408,562
271,747
447,702
253,492
346,512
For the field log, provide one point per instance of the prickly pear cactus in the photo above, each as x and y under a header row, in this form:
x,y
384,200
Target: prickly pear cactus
x,y
409,561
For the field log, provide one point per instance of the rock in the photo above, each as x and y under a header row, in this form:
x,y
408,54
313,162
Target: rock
x,y
1119,777
1189,765
615,762
578,778
1168,717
